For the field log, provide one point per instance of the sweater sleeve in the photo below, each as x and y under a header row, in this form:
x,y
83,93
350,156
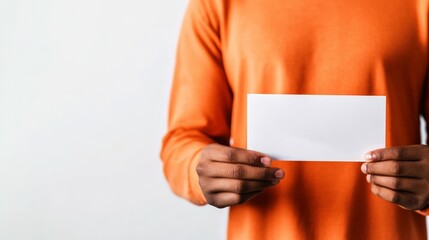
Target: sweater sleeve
x,y
200,101
425,113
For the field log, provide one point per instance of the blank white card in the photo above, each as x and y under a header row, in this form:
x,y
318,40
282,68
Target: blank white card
x,y
316,127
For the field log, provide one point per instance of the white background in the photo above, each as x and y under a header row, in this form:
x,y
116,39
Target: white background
x,y
84,88
83,100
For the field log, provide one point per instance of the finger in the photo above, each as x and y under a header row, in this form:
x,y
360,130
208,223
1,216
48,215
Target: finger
x,y
221,153
393,168
238,186
241,171
410,153
411,185
406,200
227,199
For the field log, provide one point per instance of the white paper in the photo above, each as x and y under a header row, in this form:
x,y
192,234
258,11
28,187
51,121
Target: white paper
x,y
315,127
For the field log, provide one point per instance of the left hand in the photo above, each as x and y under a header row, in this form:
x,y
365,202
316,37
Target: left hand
x,y
400,175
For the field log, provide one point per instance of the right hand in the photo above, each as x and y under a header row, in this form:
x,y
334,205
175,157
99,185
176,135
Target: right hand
x,y
229,176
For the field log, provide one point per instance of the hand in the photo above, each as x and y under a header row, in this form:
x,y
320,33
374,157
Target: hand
x,y
229,176
400,175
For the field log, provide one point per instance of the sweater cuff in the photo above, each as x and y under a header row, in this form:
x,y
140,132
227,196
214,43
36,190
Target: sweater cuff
x,y
197,193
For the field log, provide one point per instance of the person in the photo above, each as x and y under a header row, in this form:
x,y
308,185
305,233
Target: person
x,y
228,49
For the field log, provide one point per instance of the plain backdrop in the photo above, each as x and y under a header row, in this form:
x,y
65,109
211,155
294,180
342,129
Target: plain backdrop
x,y
84,88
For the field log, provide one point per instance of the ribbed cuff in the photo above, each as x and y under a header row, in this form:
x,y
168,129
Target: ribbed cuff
x,y
197,194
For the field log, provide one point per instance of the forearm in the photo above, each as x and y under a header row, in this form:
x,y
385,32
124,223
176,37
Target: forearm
x,y
200,103
180,154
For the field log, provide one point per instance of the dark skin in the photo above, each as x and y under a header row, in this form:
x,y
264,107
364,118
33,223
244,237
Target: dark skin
x,y
400,175
229,176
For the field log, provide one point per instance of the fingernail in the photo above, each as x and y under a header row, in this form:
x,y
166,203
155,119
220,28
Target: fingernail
x,y
279,174
363,168
266,161
368,156
368,178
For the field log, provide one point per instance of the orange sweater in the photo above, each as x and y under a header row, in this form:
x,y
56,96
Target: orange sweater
x,y
229,48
